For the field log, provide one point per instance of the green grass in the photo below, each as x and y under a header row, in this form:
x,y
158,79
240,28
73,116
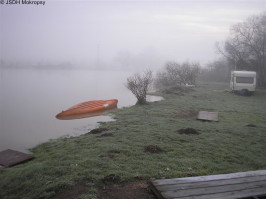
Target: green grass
x,y
221,147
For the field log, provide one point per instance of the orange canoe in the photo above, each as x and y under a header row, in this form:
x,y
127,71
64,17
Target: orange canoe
x,y
88,109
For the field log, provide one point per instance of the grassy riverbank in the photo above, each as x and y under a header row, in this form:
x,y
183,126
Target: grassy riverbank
x,y
236,143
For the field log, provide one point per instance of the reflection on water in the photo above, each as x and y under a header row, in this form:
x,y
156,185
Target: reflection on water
x,y
30,99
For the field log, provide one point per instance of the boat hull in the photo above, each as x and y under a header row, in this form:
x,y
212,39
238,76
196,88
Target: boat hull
x,y
88,109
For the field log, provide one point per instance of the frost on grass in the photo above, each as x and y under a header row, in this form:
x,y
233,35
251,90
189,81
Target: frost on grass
x,y
185,113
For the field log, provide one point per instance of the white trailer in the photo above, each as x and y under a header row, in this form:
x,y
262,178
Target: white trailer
x,y
243,82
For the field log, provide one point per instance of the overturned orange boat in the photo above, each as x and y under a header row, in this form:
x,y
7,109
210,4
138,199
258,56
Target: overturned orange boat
x,y
88,109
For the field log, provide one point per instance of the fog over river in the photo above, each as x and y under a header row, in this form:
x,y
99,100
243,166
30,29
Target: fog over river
x,y
30,99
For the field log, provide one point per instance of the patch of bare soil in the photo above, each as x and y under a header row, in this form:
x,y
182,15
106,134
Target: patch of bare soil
x,y
135,190
188,131
185,113
153,149
111,178
251,125
73,193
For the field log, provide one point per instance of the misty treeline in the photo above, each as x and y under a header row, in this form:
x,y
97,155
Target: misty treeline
x,y
216,71
174,74
245,48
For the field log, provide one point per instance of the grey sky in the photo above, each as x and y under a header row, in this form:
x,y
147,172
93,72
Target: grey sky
x,y
110,31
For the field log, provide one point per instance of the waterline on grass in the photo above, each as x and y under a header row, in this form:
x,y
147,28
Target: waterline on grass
x,y
94,122
152,98
29,109
105,118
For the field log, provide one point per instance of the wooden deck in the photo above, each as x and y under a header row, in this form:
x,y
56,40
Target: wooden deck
x,y
236,185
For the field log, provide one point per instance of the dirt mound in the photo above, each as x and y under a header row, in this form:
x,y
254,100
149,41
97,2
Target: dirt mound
x,y
153,149
111,178
251,125
97,130
185,113
135,190
188,131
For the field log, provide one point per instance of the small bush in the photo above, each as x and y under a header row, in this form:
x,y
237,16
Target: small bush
x,y
175,74
139,84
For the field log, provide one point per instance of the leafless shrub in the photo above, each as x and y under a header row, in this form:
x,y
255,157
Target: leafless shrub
x,y
175,74
139,84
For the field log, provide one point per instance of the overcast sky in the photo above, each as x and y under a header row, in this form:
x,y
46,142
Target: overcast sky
x,y
84,32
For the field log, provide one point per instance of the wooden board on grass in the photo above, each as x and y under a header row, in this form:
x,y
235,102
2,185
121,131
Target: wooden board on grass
x,y
208,116
11,157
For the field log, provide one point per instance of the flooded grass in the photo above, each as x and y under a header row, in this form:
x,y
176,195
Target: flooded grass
x,y
229,145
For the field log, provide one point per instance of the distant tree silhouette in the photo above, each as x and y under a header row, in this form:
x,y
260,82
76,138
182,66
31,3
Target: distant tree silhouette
x,y
175,74
246,46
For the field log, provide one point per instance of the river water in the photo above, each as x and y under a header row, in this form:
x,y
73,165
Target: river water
x,y
30,99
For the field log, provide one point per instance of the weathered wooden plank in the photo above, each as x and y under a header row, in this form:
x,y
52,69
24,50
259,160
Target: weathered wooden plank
x,y
234,185
247,193
11,157
209,116
210,183
214,189
208,177
155,191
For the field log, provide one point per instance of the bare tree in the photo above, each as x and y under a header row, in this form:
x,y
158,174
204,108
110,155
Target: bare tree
x,y
139,84
246,46
177,74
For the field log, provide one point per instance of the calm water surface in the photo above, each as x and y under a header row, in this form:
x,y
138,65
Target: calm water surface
x,y
30,99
